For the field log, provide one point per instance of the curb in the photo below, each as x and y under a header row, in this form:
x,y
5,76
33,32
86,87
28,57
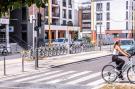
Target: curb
x,y
53,66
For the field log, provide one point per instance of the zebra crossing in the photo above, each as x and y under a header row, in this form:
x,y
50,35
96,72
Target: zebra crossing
x,y
59,77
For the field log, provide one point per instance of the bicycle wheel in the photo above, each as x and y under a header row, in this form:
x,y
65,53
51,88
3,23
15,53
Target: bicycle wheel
x,y
131,74
109,74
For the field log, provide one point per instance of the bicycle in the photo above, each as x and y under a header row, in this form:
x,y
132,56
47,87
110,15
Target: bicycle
x,y
110,72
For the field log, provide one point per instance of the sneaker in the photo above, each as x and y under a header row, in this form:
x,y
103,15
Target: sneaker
x,y
121,77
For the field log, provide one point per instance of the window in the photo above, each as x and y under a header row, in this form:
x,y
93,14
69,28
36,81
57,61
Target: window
x,y
99,7
132,6
86,25
70,3
126,25
99,16
64,13
46,11
24,13
70,14
126,15
126,4
86,16
108,6
64,3
108,16
64,22
108,25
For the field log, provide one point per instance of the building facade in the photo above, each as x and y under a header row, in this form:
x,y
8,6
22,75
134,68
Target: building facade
x,y
62,14
85,19
113,17
62,24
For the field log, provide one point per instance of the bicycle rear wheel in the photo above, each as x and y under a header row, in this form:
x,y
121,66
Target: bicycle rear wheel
x,y
109,74
131,74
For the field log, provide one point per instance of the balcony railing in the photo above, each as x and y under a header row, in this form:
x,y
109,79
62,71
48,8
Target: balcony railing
x,y
55,23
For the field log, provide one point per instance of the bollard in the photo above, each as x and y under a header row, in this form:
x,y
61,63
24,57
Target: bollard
x,y
110,48
4,53
4,65
36,60
23,63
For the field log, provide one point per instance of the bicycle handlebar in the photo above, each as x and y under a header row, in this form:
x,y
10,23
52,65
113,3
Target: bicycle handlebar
x,y
130,56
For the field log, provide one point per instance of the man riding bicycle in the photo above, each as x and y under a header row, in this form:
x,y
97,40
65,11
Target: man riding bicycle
x,y
119,62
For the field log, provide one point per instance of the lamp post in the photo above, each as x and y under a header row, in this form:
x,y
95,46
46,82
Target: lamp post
x,y
98,31
33,27
49,21
92,24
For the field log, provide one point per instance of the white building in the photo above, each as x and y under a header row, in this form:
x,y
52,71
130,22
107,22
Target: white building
x,y
115,16
61,13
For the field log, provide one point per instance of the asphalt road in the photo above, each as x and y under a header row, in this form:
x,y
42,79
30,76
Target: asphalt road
x,y
81,75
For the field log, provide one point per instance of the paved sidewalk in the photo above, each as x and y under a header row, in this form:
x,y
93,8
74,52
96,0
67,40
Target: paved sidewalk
x,y
14,66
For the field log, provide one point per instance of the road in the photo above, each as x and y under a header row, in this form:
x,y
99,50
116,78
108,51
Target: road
x,y
81,75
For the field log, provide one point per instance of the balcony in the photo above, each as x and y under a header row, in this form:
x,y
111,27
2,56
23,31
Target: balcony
x,y
58,27
55,23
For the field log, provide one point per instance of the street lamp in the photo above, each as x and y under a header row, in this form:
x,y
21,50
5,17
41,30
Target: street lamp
x,y
92,20
98,31
49,21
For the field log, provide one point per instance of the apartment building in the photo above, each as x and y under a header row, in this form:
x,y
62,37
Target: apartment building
x,y
113,17
62,22
85,19
62,14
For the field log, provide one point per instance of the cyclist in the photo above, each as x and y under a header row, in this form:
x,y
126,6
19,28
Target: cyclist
x,y
119,62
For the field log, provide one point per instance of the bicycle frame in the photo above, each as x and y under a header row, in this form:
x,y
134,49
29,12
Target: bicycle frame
x,y
128,65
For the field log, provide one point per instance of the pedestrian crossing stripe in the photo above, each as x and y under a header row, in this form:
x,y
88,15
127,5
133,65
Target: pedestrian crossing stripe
x,y
69,77
51,77
95,83
7,78
84,78
36,76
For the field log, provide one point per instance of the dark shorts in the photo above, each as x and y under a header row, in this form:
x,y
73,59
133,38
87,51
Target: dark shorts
x,y
118,61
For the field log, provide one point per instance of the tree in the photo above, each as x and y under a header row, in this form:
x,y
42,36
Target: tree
x,y
8,5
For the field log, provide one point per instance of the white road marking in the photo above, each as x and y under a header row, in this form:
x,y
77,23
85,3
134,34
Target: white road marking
x,y
21,75
70,77
84,78
95,83
36,76
53,76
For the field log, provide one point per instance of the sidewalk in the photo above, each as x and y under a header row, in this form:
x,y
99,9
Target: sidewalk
x,y
14,66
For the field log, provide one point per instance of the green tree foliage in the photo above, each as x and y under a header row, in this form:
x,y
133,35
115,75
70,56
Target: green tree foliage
x,y
9,5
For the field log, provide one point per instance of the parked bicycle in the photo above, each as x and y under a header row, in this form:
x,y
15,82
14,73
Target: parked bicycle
x,y
110,72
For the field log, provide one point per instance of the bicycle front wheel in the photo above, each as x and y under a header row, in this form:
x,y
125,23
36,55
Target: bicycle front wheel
x,y
131,74
109,74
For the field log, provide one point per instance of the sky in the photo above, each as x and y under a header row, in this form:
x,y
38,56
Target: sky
x,y
78,2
